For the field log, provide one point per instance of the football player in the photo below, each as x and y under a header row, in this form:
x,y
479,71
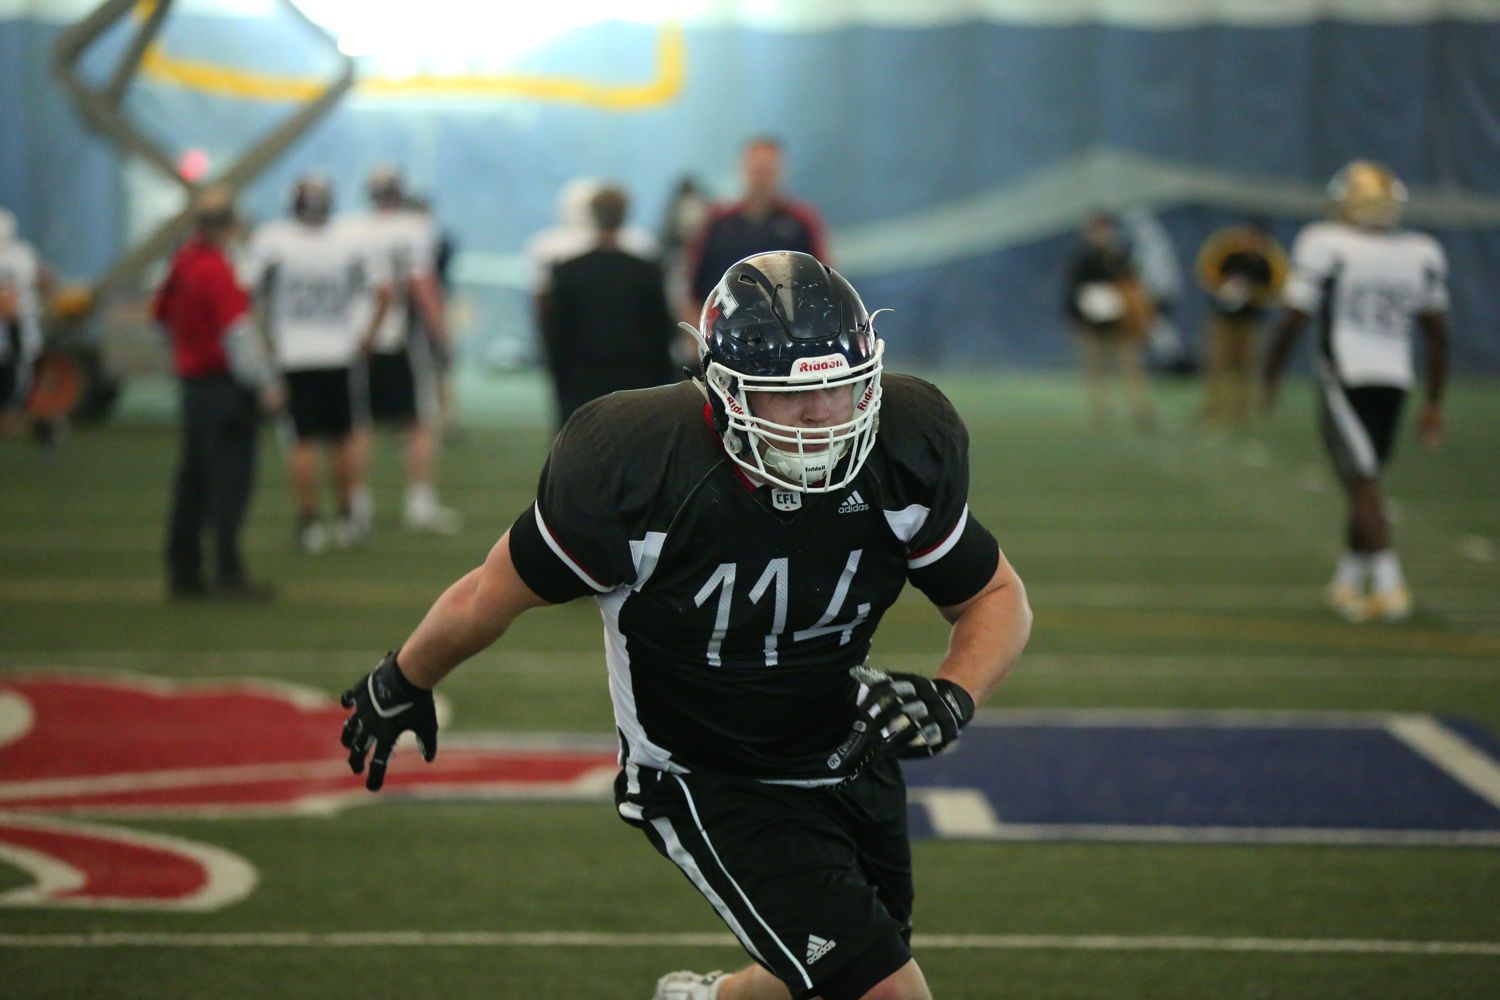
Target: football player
x,y
308,277
402,369
24,282
1367,281
743,534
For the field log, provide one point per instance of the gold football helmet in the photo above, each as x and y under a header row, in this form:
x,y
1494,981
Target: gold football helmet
x,y
1367,193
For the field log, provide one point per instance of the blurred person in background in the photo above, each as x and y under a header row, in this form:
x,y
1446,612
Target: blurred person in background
x,y
687,208
25,282
764,218
574,234
1155,261
744,534
402,370
226,378
307,277
1242,269
1111,313
605,320
442,268
1367,281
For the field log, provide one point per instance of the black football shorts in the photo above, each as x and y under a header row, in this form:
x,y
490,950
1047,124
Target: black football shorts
x,y
1359,426
322,403
814,882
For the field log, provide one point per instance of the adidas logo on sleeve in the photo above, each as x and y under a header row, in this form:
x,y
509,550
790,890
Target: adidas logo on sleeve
x,y
817,947
853,504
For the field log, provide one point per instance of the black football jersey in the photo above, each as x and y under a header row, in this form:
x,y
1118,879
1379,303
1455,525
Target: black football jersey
x,y
732,612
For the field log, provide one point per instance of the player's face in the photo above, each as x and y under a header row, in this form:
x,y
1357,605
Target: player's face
x,y
762,166
810,409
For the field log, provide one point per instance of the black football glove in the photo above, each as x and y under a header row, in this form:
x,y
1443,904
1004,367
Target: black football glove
x,y
909,715
385,705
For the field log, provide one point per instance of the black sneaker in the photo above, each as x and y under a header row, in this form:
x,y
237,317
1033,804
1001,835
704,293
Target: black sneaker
x,y
187,591
250,591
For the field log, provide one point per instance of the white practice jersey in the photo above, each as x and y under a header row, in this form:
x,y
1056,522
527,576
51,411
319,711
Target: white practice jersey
x,y
1364,288
313,281
20,270
405,243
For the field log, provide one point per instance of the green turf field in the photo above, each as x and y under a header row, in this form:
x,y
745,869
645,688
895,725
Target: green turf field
x,y
1167,570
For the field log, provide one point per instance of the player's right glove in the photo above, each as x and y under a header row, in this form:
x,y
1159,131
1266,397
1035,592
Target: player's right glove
x,y
385,705
906,714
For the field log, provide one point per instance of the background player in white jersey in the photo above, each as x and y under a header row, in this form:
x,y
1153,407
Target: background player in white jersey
x,y
309,277
743,535
402,369
24,281
1366,281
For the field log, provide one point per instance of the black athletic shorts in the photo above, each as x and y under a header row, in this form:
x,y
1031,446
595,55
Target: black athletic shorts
x,y
814,882
393,388
322,402
1359,426
8,371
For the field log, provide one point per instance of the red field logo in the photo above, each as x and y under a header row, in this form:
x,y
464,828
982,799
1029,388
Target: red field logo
x,y
111,745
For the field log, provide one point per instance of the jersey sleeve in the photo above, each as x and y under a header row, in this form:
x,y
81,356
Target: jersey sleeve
x,y
950,556
574,540
254,265
1434,297
1312,263
421,247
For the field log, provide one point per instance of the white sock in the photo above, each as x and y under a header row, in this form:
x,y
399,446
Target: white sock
x,y
421,497
362,504
1353,570
1385,569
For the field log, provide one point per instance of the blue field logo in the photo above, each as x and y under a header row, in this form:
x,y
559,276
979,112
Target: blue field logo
x,y
1247,777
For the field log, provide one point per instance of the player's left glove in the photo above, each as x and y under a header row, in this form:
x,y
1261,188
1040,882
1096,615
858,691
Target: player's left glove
x,y
908,714
385,705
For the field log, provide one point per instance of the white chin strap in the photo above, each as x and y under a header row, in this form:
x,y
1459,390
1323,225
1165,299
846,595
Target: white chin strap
x,y
803,466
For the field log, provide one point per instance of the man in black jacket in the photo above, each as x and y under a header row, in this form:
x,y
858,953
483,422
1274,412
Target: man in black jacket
x,y
605,321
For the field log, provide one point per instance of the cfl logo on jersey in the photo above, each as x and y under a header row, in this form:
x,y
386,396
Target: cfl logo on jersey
x,y
853,504
826,365
786,499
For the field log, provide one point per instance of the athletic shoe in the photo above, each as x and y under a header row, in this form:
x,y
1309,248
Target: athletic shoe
x,y
1392,605
249,591
312,537
350,531
1348,602
432,518
687,986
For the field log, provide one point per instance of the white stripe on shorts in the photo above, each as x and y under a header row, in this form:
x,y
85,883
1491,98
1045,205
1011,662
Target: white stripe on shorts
x,y
1350,428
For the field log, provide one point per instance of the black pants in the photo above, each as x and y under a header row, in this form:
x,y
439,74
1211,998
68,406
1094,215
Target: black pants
x,y
214,476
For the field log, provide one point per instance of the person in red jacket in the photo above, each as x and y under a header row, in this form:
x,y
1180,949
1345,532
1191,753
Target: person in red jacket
x,y
225,375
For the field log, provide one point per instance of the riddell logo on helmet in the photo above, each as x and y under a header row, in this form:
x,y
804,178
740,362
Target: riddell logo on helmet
x,y
820,366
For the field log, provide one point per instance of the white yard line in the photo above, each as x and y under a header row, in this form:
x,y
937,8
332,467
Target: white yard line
x,y
582,939
1455,756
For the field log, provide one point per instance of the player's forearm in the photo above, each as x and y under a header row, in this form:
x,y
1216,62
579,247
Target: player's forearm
x,y
988,637
455,628
430,303
468,617
1435,328
1287,333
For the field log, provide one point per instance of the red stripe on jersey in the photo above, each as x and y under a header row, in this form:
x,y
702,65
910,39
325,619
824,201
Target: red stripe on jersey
x,y
708,418
935,545
577,564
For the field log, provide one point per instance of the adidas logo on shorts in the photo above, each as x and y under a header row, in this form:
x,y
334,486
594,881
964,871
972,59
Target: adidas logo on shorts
x,y
817,947
853,504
